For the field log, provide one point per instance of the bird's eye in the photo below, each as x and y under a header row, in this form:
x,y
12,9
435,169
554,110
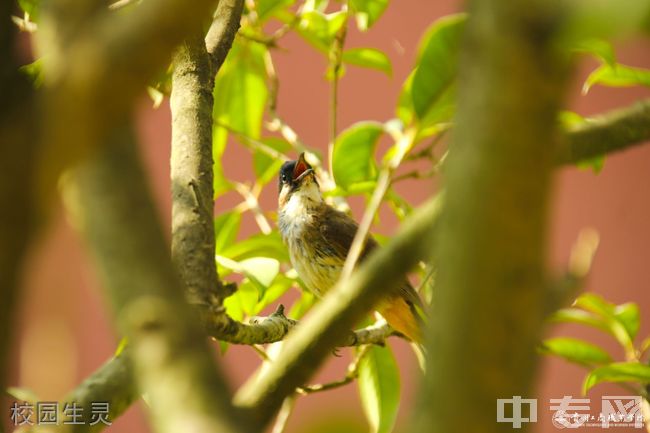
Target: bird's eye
x,y
284,178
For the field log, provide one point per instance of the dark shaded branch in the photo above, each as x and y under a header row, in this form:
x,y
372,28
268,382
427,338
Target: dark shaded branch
x,y
172,361
18,147
491,295
607,133
114,383
102,52
306,348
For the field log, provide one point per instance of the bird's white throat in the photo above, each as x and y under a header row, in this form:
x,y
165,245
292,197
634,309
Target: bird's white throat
x,y
298,209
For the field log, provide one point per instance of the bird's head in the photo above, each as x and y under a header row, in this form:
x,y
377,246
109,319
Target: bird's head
x,y
298,184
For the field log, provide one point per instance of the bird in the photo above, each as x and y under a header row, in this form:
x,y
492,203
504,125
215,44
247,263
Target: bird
x,y
318,238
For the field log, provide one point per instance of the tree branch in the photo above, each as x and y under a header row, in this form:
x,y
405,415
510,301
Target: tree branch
x,y
222,32
18,146
191,173
102,51
306,348
490,283
172,361
113,383
607,133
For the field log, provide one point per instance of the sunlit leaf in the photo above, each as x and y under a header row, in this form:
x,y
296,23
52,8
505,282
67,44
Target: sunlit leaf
x,y
437,63
259,245
30,7
379,388
266,167
22,394
240,91
598,48
266,8
277,288
608,19
261,269
353,155
575,315
302,305
617,372
575,350
607,311
219,141
367,12
320,29
243,301
34,71
617,76
628,315
226,228
368,58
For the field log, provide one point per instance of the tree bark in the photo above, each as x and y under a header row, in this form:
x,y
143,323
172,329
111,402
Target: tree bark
x,y
490,295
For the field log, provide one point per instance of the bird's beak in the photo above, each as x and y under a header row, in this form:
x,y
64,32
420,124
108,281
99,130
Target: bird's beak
x,y
302,169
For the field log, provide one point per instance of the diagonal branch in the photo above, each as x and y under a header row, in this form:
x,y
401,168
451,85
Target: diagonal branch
x,y
607,133
102,51
171,359
306,348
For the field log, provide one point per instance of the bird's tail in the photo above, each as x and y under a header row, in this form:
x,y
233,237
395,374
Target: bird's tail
x,y
405,318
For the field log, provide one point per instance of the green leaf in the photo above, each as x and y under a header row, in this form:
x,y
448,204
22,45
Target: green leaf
x,y
368,58
219,141
226,228
30,7
598,48
259,245
575,350
240,90
575,315
243,301
617,372
279,287
594,164
628,315
320,29
607,19
352,158
265,167
367,12
266,8
405,111
34,71
379,388
260,269
22,394
608,311
437,63
617,76
302,305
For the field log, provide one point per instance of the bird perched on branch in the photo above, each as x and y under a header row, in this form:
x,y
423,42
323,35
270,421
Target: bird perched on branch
x,y
319,238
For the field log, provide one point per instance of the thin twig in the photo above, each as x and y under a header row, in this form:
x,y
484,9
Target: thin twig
x,y
383,182
283,416
335,60
350,376
254,206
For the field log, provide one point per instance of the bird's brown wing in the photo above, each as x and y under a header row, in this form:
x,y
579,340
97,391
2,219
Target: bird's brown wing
x,y
338,230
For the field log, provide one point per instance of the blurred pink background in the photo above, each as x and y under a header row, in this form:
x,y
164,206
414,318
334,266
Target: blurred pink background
x,y
64,331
